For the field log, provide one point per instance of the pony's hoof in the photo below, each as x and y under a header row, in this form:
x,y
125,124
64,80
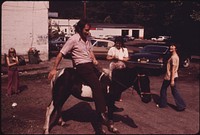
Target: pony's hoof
x,y
46,131
61,122
100,132
112,129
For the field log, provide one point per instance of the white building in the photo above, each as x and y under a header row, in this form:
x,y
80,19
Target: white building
x,y
102,30
99,30
25,25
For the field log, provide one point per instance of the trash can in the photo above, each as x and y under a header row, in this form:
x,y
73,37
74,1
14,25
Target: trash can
x,y
33,56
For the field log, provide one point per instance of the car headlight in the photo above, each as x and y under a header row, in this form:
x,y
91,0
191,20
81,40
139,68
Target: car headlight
x,y
139,60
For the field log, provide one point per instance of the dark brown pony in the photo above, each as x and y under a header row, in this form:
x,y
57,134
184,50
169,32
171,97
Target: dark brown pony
x,y
67,83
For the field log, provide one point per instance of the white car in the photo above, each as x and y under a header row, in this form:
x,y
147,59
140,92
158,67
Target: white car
x,y
101,47
161,38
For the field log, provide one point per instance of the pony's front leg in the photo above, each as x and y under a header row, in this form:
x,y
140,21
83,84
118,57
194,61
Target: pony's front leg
x,y
110,124
49,111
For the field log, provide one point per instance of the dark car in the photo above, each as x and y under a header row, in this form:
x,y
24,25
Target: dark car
x,y
126,38
156,56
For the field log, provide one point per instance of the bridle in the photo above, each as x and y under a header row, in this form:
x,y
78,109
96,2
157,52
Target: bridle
x,y
115,80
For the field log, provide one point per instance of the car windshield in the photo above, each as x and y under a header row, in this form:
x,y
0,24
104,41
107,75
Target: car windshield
x,y
155,49
99,43
93,41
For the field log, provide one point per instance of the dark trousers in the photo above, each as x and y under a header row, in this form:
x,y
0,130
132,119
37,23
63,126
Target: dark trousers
x,y
163,95
87,73
13,82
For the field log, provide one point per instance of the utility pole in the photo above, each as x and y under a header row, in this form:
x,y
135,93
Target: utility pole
x,y
84,9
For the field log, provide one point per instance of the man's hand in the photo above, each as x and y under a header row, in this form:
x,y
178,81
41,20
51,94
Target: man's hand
x,y
95,62
52,73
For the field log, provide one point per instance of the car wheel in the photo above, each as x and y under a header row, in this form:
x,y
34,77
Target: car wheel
x,y
186,63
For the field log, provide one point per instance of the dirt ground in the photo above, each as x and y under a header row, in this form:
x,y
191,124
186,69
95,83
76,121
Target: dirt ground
x,y
137,118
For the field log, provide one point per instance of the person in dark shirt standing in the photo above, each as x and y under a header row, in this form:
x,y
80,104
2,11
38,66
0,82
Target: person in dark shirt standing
x,y
170,79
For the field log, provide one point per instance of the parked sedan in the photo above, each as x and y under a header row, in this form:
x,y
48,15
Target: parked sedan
x,y
155,57
101,47
161,38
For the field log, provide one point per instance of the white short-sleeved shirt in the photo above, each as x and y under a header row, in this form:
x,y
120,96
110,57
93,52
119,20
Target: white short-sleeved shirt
x,y
173,61
79,49
118,53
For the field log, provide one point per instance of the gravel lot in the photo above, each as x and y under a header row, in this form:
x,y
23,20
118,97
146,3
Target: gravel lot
x,y
137,118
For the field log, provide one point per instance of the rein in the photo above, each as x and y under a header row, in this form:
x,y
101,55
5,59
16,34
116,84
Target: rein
x,y
101,76
103,73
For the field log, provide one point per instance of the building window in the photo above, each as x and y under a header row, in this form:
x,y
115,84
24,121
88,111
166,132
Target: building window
x,y
135,33
124,32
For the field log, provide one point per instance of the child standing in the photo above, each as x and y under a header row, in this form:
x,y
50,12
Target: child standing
x,y
13,74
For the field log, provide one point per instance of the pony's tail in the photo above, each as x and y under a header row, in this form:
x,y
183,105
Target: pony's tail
x,y
53,84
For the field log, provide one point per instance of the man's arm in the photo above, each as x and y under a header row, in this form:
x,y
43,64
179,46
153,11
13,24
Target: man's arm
x,y
93,58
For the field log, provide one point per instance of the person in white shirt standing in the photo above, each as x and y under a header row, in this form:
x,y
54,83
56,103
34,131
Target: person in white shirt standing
x,y
117,54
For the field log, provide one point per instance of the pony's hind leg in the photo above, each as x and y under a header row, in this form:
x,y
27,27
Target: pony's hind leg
x,y
59,105
49,111
61,122
53,117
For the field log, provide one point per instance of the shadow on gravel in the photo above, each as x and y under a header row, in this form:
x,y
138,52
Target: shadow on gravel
x,y
172,106
125,119
82,112
23,88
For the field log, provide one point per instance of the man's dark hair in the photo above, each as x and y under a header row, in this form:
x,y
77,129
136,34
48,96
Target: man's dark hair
x,y
80,25
120,39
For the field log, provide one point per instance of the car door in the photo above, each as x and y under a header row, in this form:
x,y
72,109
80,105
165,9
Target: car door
x,y
100,49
